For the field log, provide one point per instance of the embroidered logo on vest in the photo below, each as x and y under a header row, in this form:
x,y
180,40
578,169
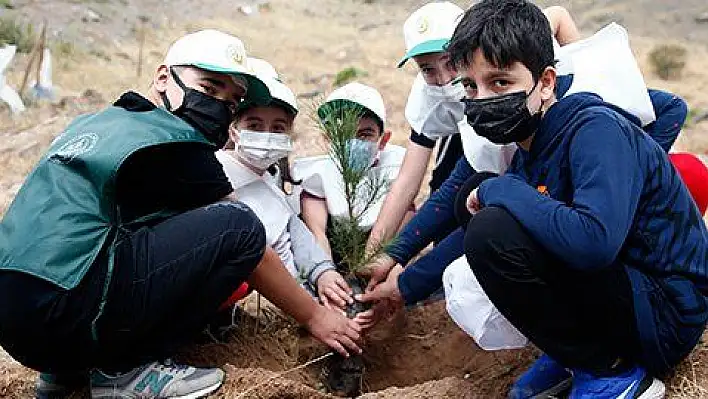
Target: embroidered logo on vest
x,y
77,146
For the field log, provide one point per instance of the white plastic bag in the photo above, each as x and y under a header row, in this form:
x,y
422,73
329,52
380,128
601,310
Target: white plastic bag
x,y
7,93
472,311
434,111
605,65
482,154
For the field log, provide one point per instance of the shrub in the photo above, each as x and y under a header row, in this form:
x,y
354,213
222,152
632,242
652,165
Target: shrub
x,y
347,75
17,33
668,60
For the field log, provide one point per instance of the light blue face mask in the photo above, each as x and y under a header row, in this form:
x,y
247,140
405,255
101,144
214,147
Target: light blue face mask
x,y
362,153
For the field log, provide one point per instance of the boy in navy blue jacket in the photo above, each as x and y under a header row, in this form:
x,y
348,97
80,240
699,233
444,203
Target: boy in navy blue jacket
x,y
590,244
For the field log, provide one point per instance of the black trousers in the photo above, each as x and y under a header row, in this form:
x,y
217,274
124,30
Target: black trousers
x,y
167,282
581,319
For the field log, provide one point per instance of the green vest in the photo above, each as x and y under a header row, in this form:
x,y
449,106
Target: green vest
x,y
66,210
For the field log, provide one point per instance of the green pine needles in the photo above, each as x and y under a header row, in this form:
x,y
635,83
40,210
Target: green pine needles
x,y
363,185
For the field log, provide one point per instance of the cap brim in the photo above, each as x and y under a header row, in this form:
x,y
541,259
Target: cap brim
x,y
428,47
327,108
289,108
257,91
278,94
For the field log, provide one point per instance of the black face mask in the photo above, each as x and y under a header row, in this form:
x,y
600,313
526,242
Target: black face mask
x,y
205,113
504,119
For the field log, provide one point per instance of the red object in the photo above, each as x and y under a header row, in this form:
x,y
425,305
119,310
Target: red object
x,y
239,294
694,174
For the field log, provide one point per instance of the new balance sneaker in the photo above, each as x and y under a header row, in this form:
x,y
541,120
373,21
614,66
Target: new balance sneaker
x,y
60,386
633,384
545,378
157,380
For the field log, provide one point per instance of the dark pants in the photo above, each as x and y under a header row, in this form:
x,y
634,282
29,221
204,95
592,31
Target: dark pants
x,y
583,320
167,282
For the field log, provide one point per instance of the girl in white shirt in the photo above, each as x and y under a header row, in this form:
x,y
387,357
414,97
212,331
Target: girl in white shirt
x,y
262,137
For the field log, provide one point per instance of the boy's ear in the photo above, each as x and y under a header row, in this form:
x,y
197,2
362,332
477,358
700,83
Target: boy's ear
x,y
384,139
233,132
160,79
548,83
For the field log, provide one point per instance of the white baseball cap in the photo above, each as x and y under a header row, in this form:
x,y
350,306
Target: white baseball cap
x,y
279,92
429,29
357,94
219,52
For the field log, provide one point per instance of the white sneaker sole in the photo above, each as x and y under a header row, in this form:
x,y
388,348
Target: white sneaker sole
x,y
194,395
656,390
202,393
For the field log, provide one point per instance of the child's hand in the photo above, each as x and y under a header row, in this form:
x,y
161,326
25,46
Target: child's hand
x,y
379,311
335,330
333,290
473,205
378,271
386,297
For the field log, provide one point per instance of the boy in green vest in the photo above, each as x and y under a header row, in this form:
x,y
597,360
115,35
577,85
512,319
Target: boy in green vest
x,y
126,237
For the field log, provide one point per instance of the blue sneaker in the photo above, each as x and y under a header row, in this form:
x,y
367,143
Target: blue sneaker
x,y
633,384
545,378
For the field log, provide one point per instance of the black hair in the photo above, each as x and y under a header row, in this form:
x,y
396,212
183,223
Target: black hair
x,y
505,31
247,105
370,114
340,106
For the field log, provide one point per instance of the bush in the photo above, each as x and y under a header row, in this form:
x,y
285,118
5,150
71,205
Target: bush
x,y
16,33
346,75
668,60
63,48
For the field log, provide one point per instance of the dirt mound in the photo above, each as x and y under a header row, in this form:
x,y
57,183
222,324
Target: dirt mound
x,y
261,383
450,387
426,345
421,346
15,381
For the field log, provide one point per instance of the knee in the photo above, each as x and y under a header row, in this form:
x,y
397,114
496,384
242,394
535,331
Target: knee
x,y
486,233
244,236
462,215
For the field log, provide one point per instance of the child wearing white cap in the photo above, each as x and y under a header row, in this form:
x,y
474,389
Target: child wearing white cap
x,y
263,136
323,193
138,238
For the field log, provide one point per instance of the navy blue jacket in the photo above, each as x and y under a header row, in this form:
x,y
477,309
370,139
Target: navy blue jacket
x,y
614,200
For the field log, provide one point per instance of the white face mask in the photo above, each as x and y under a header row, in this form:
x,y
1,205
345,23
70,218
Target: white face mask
x,y
435,111
262,149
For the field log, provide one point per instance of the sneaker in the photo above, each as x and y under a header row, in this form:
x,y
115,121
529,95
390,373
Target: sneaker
x,y
157,380
60,386
545,378
634,384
